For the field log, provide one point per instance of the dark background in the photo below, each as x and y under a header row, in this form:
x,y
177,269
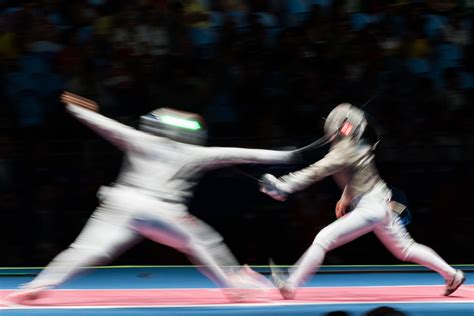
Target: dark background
x,y
263,73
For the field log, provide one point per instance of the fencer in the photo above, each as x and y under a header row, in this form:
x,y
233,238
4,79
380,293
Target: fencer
x,y
351,162
163,160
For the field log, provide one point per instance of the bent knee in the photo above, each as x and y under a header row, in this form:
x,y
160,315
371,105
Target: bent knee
x,y
210,243
404,253
324,241
94,254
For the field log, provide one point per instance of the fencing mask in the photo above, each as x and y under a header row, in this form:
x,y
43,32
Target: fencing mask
x,y
345,120
178,125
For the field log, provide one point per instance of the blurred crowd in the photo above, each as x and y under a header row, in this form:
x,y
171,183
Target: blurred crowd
x,y
282,61
262,72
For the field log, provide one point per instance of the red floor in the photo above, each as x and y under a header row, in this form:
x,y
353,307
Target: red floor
x,y
196,297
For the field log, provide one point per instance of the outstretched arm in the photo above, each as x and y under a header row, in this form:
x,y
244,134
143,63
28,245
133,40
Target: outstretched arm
x,y
280,188
232,156
84,110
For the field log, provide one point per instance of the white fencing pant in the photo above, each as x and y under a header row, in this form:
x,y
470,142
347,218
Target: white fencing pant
x,y
372,213
124,216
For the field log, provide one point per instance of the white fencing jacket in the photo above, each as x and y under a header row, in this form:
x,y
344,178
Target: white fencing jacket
x,y
351,162
165,168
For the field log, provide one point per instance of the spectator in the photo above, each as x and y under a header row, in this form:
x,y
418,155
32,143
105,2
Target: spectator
x,y
384,311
